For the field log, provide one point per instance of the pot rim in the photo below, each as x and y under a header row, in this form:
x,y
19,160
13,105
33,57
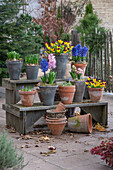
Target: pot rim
x,y
48,86
27,92
96,89
52,111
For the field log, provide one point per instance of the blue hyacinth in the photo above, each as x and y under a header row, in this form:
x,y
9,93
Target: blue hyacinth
x,y
76,50
83,51
44,65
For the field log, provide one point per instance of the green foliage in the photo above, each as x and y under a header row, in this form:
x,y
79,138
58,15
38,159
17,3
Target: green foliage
x,y
73,75
51,77
32,59
8,154
89,9
28,88
65,37
44,78
92,38
58,13
13,55
17,32
66,84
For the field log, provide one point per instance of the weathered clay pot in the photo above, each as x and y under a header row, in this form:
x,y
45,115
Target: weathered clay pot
x,y
80,89
47,94
32,72
56,98
66,94
82,123
56,125
95,94
61,62
81,66
14,69
27,97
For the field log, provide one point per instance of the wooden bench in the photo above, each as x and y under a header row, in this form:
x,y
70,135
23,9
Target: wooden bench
x,y
23,118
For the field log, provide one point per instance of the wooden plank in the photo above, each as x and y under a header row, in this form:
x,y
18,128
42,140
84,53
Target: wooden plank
x,y
105,65
39,106
101,65
108,64
111,52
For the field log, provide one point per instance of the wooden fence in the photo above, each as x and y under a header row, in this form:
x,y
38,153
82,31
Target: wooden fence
x,y
101,65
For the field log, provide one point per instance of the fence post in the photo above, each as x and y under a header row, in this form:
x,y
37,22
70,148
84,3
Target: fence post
x,y
75,37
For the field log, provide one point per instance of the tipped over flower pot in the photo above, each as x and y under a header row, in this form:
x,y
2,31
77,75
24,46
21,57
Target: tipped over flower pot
x,y
82,123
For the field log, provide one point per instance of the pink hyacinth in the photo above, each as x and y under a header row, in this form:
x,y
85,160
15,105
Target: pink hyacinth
x,y
52,61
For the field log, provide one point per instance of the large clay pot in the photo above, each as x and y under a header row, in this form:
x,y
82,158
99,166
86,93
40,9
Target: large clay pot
x,y
95,94
14,69
66,94
56,125
81,66
27,97
80,89
32,72
82,123
47,94
61,62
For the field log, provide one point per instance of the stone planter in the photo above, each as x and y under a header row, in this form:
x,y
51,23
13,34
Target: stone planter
x,y
47,94
80,89
14,69
82,123
95,94
27,97
66,94
32,72
81,66
61,62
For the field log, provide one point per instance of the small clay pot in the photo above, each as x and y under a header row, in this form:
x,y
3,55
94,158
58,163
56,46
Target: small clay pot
x,y
95,94
81,66
60,107
66,94
27,97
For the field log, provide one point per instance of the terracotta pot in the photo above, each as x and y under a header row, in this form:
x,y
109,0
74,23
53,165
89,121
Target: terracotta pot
x,y
27,97
66,94
81,66
53,114
95,94
56,125
82,123
60,107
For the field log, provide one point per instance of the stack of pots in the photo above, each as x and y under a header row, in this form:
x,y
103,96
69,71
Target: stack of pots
x,y
56,119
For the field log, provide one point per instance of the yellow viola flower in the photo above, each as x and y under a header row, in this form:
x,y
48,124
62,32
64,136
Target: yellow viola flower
x,y
88,78
71,47
94,80
58,51
89,86
46,44
65,52
48,48
60,41
87,83
52,44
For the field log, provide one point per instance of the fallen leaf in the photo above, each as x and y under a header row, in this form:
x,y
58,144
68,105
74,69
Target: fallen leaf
x,y
51,147
99,128
11,131
26,137
25,146
47,153
45,138
85,150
